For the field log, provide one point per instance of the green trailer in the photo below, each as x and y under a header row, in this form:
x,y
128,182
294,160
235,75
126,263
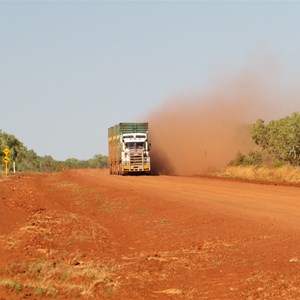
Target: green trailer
x,y
129,148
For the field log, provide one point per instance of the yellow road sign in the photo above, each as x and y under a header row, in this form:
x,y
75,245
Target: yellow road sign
x,y
6,151
6,159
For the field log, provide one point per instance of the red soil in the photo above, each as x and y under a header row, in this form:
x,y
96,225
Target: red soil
x,y
86,234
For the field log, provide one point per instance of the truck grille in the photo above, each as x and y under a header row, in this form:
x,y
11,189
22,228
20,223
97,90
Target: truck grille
x,y
136,159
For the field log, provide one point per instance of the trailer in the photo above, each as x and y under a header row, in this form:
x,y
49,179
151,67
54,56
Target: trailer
x,y
128,148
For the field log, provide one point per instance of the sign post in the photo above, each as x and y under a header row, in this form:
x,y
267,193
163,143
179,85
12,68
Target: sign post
x,y
6,159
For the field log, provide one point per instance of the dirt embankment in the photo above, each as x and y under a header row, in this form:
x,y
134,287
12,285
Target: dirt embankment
x,y
85,234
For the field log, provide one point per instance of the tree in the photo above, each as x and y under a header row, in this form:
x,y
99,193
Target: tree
x,y
17,149
99,161
280,138
28,160
47,163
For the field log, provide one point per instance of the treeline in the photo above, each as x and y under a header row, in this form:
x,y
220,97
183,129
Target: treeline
x,y
278,143
28,160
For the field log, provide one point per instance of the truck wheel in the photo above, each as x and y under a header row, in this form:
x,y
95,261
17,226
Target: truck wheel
x,y
120,171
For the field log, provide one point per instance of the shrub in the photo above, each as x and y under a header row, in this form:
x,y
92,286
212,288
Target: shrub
x,y
253,158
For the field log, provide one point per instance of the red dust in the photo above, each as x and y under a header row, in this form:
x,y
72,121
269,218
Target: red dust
x,y
195,134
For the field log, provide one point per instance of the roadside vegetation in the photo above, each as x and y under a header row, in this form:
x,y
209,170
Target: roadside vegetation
x,y
275,158
277,155
47,279
283,174
29,161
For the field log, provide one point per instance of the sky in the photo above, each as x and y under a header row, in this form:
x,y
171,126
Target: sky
x,y
71,69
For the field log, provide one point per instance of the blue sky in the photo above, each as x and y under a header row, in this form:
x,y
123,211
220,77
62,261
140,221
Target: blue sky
x,y
71,69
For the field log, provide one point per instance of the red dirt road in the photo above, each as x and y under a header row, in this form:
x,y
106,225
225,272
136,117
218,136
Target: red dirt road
x,y
88,235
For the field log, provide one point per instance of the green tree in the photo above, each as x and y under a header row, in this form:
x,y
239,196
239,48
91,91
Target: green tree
x,y
99,161
47,163
17,149
280,138
29,161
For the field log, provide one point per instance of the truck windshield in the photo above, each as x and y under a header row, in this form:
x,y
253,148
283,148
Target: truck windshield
x,y
134,145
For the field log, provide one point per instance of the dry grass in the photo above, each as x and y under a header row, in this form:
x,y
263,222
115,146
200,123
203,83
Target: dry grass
x,y
50,279
283,174
11,284
170,292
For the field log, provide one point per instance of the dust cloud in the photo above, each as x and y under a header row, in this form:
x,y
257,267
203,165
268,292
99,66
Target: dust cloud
x,y
200,132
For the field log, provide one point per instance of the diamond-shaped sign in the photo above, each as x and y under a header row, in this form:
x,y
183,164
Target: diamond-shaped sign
x,y
6,159
6,151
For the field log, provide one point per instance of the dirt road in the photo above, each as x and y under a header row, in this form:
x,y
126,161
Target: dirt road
x,y
86,234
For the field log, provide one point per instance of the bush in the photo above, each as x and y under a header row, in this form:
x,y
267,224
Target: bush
x,y
253,158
